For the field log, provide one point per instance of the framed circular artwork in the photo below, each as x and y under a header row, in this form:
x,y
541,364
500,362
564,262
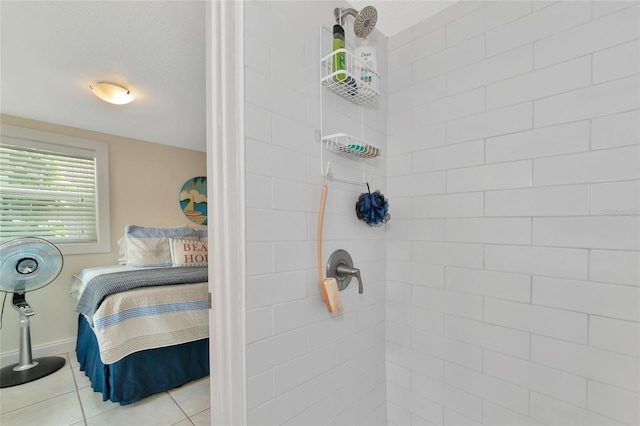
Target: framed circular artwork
x,y
193,199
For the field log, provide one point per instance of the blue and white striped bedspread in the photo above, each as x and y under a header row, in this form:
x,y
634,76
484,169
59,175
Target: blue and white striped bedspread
x,y
103,285
132,318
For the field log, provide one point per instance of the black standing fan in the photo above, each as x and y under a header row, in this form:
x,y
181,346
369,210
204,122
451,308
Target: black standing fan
x,y
27,264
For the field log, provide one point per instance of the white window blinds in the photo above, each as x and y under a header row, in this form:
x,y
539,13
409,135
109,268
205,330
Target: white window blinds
x,y
54,187
47,194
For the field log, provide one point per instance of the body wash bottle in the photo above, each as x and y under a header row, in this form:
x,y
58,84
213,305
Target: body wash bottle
x,y
366,54
338,58
339,63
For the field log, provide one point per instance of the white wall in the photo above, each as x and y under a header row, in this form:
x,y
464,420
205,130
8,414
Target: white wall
x,y
513,262
303,366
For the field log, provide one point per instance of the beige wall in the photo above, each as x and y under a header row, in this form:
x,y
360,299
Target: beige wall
x,y
145,179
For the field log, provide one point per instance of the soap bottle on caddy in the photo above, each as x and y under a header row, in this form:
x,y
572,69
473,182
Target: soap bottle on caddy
x,y
366,54
338,62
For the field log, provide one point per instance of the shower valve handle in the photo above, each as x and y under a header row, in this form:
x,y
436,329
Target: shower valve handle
x,y
344,270
340,267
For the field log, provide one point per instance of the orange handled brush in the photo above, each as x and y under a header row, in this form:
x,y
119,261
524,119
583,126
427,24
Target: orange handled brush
x,y
328,286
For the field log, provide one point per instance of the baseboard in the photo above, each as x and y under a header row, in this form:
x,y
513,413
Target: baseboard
x,y
49,349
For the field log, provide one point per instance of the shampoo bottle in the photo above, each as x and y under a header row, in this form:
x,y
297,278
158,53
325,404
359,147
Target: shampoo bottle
x,y
366,54
338,58
339,65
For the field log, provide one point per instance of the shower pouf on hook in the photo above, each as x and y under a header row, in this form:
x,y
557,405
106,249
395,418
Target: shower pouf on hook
x,y
373,209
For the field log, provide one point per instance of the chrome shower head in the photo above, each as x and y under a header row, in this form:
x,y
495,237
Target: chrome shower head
x,y
365,20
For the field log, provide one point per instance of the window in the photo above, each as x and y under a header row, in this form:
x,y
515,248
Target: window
x,y
54,187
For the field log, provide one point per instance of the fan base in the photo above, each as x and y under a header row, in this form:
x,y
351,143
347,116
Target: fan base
x,y
46,366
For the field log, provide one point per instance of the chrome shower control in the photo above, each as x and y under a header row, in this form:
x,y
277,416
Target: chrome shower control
x,y
340,267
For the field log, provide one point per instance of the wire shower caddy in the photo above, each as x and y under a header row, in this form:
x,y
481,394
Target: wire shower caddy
x,y
347,84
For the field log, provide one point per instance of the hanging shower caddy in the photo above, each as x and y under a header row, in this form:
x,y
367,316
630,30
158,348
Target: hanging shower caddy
x,y
346,83
344,143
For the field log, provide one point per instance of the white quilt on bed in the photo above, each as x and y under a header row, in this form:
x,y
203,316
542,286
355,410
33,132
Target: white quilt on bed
x,y
147,318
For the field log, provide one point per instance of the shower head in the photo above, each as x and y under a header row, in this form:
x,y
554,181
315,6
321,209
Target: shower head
x,y
365,20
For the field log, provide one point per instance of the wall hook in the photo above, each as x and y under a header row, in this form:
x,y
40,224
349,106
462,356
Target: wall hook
x,y
326,174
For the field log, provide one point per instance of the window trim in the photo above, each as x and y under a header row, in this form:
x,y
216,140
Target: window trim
x,y
101,152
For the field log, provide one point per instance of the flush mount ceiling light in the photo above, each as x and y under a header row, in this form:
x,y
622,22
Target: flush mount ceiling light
x,y
112,93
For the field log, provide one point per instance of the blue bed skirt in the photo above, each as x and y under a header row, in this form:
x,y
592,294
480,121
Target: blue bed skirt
x,y
143,373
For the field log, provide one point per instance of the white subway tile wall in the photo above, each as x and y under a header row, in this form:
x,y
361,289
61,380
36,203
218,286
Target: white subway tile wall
x,y
304,366
524,146
505,290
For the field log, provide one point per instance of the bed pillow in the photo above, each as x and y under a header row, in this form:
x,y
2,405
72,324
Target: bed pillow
x,y
188,252
122,251
203,234
150,246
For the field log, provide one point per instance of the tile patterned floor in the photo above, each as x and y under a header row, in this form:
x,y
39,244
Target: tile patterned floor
x,y
65,398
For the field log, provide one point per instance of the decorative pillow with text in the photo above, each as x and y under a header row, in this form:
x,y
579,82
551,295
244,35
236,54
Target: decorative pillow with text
x,y
149,247
188,252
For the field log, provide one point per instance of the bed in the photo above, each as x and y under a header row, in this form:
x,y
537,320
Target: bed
x,y
143,327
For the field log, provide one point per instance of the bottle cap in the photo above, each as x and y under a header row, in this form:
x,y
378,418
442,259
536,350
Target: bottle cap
x,y
337,29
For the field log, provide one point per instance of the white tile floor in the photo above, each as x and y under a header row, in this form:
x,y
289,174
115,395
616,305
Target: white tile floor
x,y
65,398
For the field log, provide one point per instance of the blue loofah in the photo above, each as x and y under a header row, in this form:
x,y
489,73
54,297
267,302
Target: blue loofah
x,y
373,209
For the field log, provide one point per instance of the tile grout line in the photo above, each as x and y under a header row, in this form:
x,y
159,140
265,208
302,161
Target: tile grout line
x,y
75,382
179,407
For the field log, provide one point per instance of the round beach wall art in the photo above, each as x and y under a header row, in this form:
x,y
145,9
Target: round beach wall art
x,y
193,199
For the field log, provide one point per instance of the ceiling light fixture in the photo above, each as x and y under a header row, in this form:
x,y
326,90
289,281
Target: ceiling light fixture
x,y
112,93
